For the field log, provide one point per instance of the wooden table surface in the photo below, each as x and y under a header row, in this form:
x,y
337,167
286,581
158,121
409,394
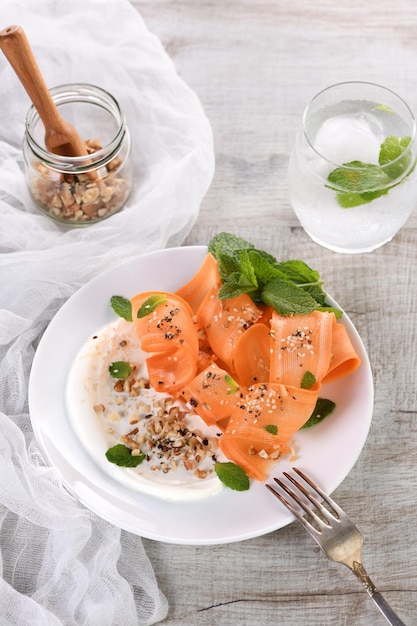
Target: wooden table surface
x,y
254,65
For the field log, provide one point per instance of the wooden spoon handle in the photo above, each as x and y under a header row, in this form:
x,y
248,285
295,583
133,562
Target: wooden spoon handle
x,y
16,47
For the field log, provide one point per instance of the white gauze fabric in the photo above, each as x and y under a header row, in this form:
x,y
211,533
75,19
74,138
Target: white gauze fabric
x,y
59,562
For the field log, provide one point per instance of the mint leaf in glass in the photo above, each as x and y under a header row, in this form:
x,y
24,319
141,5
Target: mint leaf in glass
x,y
350,200
358,177
122,456
233,476
383,107
357,183
391,149
122,307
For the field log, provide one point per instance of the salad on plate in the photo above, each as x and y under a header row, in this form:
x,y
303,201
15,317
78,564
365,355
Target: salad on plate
x,y
205,387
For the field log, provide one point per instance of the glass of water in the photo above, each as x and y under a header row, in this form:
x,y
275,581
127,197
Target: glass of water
x,y
352,176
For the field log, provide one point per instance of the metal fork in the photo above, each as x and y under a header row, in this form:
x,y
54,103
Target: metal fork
x,y
336,535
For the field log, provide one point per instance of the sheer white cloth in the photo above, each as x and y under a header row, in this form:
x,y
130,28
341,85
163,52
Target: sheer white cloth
x,y
60,563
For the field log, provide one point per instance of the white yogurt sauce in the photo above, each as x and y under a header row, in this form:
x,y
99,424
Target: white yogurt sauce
x,y
102,417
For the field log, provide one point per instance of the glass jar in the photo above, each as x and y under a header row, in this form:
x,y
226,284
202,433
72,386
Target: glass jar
x,y
85,189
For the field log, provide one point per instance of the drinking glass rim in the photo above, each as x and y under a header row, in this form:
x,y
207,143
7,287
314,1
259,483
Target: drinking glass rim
x,y
359,82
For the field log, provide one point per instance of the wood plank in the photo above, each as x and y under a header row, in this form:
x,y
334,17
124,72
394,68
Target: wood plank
x,y
254,65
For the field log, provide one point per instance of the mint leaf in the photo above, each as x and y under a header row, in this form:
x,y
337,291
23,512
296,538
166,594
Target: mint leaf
x,y
287,298
305,277
358,177
265,267
391,149
233,476
247,277
272,429
231,289
357,183
322,409
122,307
227,243
331,309
120,369
308,380
229,264
122,456
232,385
151,304
383,107
350,200
299,272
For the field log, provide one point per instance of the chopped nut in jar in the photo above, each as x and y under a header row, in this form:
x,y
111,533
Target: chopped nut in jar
x,y
80,198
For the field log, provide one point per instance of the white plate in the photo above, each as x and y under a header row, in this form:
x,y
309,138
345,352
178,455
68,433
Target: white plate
x,y
327,452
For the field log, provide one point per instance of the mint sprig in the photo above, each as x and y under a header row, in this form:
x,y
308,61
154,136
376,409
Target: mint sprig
x,y
233,476
357,183
291,287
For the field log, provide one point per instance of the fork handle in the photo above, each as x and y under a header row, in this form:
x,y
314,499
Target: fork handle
x,y
391,617
360,573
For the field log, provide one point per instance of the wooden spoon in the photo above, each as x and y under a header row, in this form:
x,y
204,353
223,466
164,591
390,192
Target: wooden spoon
x,y
60,137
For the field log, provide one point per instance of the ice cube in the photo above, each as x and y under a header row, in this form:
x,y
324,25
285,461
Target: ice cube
x,y
346,138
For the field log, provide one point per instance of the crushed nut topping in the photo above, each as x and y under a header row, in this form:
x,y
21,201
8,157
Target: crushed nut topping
x,y
161,432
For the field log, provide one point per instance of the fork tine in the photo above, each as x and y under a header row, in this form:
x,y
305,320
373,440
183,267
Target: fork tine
x,y
285,502
334,515
332,504
327,517
301,503
291,508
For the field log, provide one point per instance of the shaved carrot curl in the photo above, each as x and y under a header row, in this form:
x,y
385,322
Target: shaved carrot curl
x,y
301,343
252,355
265,420
224,321
212,394
344,359
169,333
206,277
